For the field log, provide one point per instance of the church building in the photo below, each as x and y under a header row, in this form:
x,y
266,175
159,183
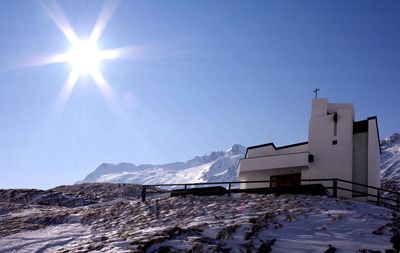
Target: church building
x,y
337,147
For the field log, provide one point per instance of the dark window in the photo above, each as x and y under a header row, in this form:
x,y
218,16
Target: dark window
x,y
286,180
334,142
335,124
310,158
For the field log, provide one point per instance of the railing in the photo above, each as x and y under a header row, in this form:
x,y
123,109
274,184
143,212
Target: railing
x,y
383,197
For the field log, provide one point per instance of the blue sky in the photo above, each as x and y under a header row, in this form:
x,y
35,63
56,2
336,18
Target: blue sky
x,y
206,75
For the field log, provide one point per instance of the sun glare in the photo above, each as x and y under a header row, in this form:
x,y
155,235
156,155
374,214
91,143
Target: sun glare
x,y
84,57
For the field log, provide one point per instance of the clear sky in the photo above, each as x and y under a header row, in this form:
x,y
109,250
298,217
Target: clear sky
x,y
198,76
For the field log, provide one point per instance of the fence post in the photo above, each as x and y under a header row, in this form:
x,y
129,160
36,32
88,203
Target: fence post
x,y
334,190
185,193
378,197
229,189
143,193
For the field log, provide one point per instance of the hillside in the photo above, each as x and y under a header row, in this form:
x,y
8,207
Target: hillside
x,y
390,162
240,223
71,195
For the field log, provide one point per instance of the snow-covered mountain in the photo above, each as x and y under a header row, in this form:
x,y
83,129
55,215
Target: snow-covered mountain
x,y
219,166
215,167
390,162
390,158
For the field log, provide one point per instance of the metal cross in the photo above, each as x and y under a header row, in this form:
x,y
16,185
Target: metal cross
x,y
316,93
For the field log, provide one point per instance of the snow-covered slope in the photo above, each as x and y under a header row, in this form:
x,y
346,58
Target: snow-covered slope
x,y
390,162
390,158
217,166
236,223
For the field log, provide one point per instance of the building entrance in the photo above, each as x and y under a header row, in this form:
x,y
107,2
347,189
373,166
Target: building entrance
x,y
286,180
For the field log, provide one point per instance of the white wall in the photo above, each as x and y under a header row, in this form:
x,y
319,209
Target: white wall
x,y
330,161
270,150
273,162
262,168
336,107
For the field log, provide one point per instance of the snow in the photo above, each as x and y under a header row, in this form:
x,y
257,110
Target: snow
x,y
221,166
236,223
390,158
109,218
49,239
217,166
331,227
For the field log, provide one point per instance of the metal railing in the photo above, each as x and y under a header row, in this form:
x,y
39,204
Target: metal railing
x,y
378,196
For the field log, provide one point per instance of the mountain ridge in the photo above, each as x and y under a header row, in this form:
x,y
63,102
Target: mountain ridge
x,y
216,166
219,166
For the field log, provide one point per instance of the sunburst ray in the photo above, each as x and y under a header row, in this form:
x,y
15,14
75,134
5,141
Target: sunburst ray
x,y
65,93
105,15
83,55
103,86
58,17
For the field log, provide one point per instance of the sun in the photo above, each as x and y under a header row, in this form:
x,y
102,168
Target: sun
x,y
84,57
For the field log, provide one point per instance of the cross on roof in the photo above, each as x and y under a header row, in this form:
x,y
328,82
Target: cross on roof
x,y
316,92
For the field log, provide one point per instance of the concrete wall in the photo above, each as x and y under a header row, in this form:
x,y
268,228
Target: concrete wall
x,y
259,164
273,162
360,161
270,150
330,161
351,157
332,108
262,168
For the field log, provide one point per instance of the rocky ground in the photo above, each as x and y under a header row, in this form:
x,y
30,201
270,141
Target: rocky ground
x,y
111,218
72,195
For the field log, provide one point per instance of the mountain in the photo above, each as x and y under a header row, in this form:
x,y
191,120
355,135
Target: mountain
x,y
390,158
221,166
215,167
390,162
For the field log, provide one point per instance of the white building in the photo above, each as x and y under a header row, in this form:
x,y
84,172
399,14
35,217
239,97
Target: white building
x,y
337,147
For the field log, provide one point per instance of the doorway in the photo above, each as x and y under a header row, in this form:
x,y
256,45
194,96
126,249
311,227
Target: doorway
x,y
286,180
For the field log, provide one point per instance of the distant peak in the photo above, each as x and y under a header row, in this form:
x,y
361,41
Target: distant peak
x,y
237,149
393,138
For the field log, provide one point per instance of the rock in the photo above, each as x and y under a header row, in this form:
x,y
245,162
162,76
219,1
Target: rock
x,y
266,247
330,249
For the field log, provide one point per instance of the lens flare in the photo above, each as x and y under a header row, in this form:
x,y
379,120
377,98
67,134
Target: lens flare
x,y
84,57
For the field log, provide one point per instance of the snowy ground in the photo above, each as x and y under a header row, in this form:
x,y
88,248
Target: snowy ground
x,y
239,223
